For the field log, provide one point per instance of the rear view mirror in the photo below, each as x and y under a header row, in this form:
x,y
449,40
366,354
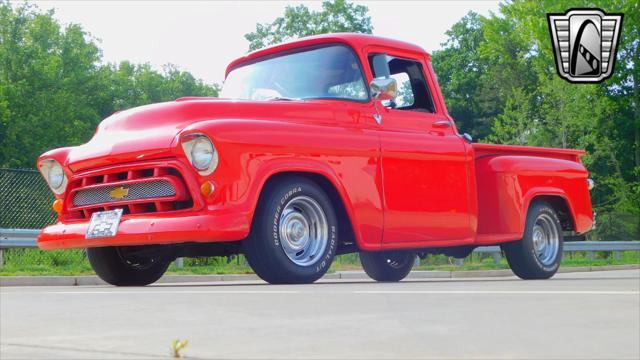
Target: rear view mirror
x,y
384,89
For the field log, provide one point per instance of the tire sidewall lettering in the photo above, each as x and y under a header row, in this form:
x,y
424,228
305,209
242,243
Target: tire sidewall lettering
x,y
329,252
327,257
556,263
276,217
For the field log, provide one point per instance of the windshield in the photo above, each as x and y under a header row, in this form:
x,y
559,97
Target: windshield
x,y
331,72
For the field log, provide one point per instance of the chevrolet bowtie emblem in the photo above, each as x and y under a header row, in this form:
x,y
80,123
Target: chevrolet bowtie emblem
x,y
119,193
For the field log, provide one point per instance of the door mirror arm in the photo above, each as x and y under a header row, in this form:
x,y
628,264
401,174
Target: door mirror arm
x,y
383,89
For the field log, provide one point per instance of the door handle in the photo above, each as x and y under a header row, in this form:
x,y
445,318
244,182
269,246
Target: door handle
x,y
442,124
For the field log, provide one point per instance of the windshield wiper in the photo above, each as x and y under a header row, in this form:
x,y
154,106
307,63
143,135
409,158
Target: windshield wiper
x,y
283,98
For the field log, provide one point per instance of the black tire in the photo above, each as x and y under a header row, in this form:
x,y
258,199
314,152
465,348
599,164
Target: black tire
x,y
116,266
387,266
525,260
265,246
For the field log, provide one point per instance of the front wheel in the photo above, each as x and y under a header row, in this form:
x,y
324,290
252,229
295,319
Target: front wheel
x,y
127,265
387,266
538,254
293,237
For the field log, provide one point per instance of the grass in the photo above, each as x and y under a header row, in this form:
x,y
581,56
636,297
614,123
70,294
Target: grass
x,y
486,262
28,262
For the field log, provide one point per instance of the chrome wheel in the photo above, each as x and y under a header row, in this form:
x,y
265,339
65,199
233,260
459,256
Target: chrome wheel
x,y
546,239
303,230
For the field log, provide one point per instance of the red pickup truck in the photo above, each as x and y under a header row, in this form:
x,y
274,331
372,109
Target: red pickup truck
x,y
322,146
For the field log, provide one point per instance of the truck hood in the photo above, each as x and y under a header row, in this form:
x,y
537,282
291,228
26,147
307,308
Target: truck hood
x,y
151,131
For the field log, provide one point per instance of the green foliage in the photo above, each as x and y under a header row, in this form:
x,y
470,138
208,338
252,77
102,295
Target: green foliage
x,y
405,94
299,21
459,69
54,89
497,74
25,262
498,77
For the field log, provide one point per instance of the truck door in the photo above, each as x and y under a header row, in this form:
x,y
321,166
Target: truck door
x,y
423,161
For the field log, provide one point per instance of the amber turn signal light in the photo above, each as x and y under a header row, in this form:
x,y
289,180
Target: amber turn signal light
x,y
57,205
206,188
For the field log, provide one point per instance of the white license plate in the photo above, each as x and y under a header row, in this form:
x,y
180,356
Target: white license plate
x,y
104,224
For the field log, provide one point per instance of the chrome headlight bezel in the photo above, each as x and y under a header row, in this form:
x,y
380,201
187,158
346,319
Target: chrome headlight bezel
x,y
54,175
201,153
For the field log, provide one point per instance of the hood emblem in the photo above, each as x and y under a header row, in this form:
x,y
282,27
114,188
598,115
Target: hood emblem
x,y
119,193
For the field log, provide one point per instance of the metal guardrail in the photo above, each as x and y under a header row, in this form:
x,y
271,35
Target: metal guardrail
x,y
18,238
27,238
573,246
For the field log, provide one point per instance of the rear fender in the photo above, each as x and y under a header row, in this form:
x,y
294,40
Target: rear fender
x,y
542,193
508,184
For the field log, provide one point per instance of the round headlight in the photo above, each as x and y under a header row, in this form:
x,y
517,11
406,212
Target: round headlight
x,y
53,173
56,176
202,153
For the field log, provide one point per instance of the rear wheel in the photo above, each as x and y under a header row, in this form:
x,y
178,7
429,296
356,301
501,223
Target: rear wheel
x,y
538,254
293,237
387,266
127,265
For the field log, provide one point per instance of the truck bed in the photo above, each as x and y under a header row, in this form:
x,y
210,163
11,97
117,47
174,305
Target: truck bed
x,y
509,178
482,150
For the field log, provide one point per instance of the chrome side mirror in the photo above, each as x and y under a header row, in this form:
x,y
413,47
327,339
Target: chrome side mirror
x,y
384,89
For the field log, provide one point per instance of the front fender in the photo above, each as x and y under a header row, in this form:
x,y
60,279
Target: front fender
x,y
252,151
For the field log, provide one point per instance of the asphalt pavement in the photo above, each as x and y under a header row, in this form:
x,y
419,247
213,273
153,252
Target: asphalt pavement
x,y
593,315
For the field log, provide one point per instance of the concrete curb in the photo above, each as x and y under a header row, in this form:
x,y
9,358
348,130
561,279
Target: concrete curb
x,y
345,275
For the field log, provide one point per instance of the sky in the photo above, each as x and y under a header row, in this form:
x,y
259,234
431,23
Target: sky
x,y
202,37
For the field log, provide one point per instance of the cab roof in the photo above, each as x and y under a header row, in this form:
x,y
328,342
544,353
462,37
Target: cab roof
x,y
356,41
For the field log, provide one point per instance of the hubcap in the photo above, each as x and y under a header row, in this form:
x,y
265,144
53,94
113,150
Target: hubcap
x,y
546,239
304,230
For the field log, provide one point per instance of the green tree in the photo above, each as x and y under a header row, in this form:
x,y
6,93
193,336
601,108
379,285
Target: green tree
x,y
460,68
299,21
134,85
499,80
47,82
54,88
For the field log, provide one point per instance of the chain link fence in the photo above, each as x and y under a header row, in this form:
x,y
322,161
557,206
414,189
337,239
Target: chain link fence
x,y
25,200
25,203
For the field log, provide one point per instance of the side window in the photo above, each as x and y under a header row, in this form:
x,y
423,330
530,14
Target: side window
x,y
405,96
413,92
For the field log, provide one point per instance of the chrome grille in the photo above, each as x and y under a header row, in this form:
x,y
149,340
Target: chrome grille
x,y
143,190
